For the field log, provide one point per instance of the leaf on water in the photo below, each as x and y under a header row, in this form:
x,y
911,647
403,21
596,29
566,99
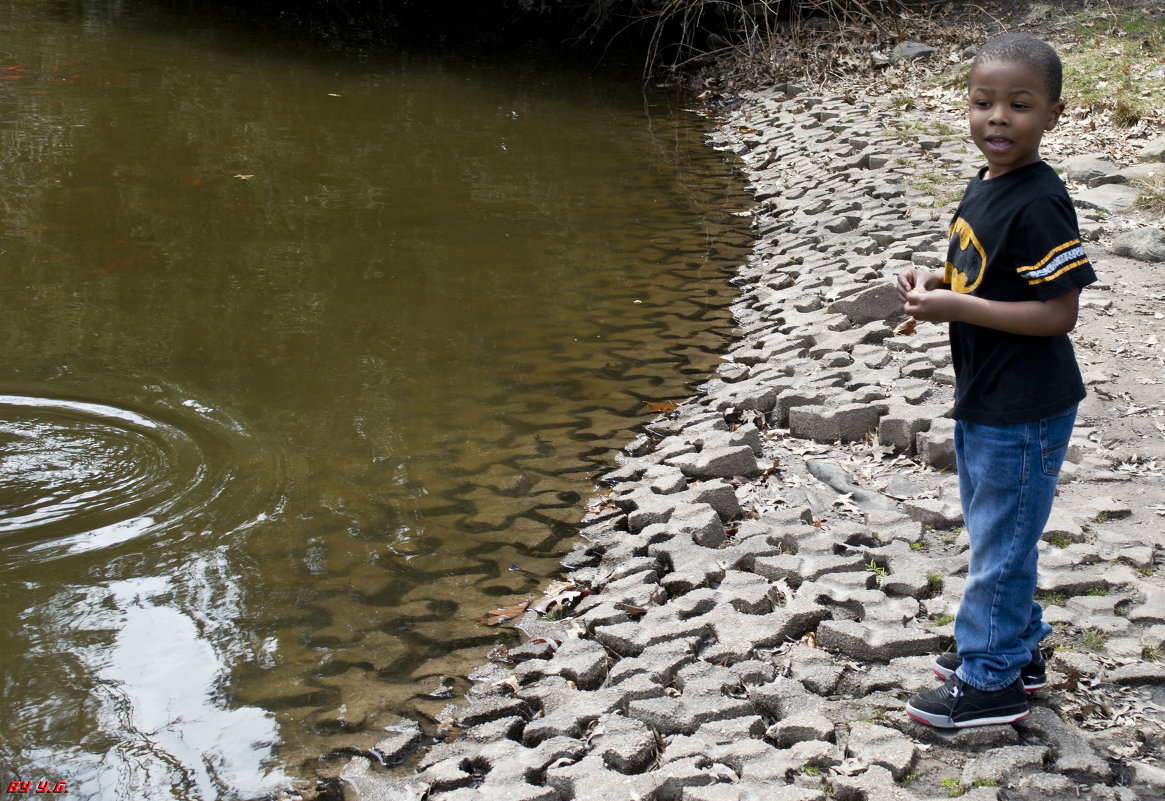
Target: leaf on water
x,y
496,617
244,177
662,406
907,327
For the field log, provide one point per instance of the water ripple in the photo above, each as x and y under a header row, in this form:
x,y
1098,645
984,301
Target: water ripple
x,y
78,476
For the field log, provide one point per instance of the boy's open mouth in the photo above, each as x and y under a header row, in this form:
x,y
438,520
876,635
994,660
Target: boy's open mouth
x,y
997,142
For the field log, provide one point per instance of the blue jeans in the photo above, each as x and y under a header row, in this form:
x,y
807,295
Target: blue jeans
x,y
1007,480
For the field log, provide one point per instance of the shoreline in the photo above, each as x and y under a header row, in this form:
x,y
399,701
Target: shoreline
x,y
775,567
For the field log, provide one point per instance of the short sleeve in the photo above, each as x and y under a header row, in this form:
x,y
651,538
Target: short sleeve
x,y
1050,257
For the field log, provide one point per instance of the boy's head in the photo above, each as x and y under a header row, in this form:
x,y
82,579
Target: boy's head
x,y
1014,94
1022,48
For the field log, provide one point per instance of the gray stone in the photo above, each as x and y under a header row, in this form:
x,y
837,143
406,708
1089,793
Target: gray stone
x,y
1043,786
839,480
936,445
1074,756
879,643
875,783
1152,609
1063,525
1087,167
363,783
404,740
726,462
934,512
1153,151
893,526
1131,175
1143,244
801,728
625,745
879,302
753,791
589,779
847,423
909,51
582,661
1110,198
1003,765
881,745
489,709
900,427
1138,673
448,774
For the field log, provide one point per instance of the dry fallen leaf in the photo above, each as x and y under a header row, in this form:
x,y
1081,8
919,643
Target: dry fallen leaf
x,y
496,617
907,327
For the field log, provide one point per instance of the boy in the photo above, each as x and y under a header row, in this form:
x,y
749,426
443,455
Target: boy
x,y
1009,291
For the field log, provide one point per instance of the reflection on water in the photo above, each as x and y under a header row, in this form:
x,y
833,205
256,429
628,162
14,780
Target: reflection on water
x,y
309,360
158,700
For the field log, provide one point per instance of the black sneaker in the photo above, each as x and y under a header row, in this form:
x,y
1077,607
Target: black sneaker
x,y
1034,674
957,705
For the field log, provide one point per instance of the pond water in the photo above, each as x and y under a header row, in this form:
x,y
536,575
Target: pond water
x,y
311,356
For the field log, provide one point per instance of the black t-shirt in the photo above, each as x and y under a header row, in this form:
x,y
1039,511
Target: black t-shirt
x,y
1015,238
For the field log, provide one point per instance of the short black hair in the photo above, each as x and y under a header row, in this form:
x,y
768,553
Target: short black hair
x,y
1025,49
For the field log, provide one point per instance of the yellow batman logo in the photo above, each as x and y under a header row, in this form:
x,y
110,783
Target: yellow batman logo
x,y
969,266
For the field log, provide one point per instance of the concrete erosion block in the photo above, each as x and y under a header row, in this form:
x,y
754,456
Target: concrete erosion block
x,y
936,445
1075,757
875,643
881,745
738,460
851,422
626,745
876,303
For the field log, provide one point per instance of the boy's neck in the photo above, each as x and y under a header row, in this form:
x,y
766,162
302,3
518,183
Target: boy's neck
x,y
985,173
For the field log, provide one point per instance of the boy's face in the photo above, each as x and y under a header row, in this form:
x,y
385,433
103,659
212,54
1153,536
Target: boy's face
x,y
1010,110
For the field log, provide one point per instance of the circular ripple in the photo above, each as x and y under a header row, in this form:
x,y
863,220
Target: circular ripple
x,y
78,476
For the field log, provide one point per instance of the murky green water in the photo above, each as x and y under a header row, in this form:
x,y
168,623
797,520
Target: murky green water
x,y
308,361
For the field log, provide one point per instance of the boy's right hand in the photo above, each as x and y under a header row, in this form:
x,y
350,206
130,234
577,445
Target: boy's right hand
x,y
913,278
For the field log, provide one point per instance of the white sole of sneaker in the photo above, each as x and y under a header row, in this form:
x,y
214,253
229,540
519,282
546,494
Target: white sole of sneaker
x,y
945,722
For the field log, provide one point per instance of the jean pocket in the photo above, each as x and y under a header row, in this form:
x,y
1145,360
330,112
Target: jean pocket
x,y
1055,433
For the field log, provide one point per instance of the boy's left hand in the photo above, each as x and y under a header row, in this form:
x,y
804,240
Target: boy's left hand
x,y
931,305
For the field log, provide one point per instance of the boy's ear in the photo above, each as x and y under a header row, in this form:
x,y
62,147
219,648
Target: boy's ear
x,y
1054,114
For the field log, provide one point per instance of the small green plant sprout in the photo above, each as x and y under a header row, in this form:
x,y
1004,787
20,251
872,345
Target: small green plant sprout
x,y
920,545
935,580
942,620
878,571
954,787
1060,541
1101,517
1098,592
908,778
1152,653
1095,639
1054,599
809,769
